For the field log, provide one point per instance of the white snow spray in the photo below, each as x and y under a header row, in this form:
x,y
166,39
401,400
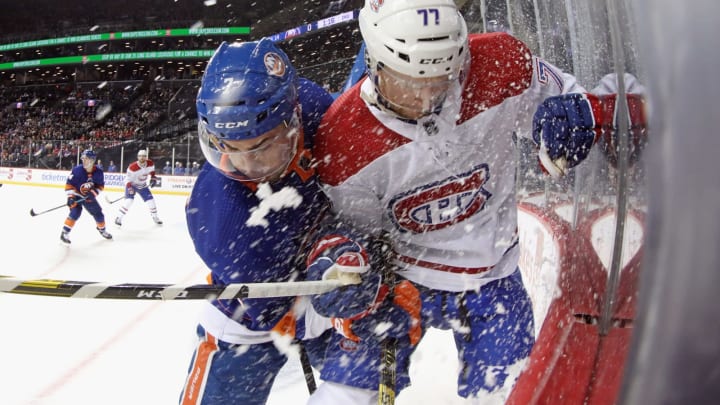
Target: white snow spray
x,y
287,197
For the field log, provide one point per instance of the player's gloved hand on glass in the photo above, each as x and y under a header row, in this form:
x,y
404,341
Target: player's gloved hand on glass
x,y
361,309
564,129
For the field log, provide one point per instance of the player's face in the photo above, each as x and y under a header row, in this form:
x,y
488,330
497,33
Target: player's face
x,y
87,162
411,97
266,157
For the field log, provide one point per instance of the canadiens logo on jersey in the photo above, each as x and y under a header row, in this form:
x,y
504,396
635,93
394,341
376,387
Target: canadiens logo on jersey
x,y
441,204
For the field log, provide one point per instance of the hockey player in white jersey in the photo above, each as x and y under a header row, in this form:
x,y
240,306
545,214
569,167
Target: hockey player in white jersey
x,y
136,182
422,150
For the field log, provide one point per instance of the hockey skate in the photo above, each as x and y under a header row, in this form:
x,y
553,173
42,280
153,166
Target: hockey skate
x,y
157,220
64,237
104,233
118,221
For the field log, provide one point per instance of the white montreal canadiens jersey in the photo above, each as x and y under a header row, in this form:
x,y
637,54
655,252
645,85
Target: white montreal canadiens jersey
x,y
138,175
442,187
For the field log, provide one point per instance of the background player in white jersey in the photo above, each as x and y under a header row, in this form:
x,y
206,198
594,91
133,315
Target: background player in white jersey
x,y
136,182
422,150
82,187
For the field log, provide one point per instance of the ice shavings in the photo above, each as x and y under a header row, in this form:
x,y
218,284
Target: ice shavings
x,y
287,197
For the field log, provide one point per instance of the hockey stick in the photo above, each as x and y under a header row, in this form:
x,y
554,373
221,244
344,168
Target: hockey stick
x,y
109,201
388,365
307,369
33,213
89,289
386,391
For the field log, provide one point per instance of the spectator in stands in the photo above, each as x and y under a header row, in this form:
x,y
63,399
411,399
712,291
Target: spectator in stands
x,y
100,165
194,169
179,169
112,167
167,169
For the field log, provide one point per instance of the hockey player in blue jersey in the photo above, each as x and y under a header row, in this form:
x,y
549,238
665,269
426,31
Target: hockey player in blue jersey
x,y
82,187
254,203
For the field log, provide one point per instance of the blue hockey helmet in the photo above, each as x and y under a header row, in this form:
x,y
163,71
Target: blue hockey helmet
x,y
248,92
88,153
88,157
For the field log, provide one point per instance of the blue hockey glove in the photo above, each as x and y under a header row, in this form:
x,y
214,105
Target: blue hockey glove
x,y
362,310
564,128
72,202
395,318
338,257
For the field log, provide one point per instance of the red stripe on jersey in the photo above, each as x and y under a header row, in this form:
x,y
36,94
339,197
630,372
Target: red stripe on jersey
x,y
442,267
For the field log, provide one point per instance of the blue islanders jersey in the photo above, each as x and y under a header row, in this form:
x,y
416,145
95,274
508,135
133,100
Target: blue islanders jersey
x,y
80,182
241,240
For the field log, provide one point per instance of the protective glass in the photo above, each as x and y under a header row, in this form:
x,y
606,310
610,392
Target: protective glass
x,y
257,159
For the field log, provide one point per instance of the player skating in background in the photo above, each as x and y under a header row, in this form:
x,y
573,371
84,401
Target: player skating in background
x,y
136,182
82,188
253,205
422,150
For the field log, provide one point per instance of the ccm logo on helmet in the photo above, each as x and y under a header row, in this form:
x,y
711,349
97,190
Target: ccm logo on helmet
x,y
231,125
435,61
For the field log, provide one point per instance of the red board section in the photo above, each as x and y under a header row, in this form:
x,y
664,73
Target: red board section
x,y
572,363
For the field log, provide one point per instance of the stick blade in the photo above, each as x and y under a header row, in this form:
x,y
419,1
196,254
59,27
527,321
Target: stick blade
x,y
32,212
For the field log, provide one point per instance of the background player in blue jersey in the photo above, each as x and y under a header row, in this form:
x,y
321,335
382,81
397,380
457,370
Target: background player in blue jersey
x,y
82,187
249,215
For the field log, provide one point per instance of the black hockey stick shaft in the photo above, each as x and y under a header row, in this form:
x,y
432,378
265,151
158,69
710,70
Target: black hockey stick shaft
x,y
307,369
34,213
115,200
386,391
388,364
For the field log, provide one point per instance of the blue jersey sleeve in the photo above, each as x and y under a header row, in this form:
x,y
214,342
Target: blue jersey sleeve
x,y
238,251
314,101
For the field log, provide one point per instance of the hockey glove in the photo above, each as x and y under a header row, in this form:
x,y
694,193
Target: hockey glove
x,y
129,189
72,202
338,257
363,310
637,124
564,129
399,315
155,182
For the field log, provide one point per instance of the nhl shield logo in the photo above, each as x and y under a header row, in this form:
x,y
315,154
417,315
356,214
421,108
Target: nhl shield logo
x,y
441,204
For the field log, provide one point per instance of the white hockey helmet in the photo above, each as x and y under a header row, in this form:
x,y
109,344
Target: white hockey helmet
x,y
142,153
418,38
